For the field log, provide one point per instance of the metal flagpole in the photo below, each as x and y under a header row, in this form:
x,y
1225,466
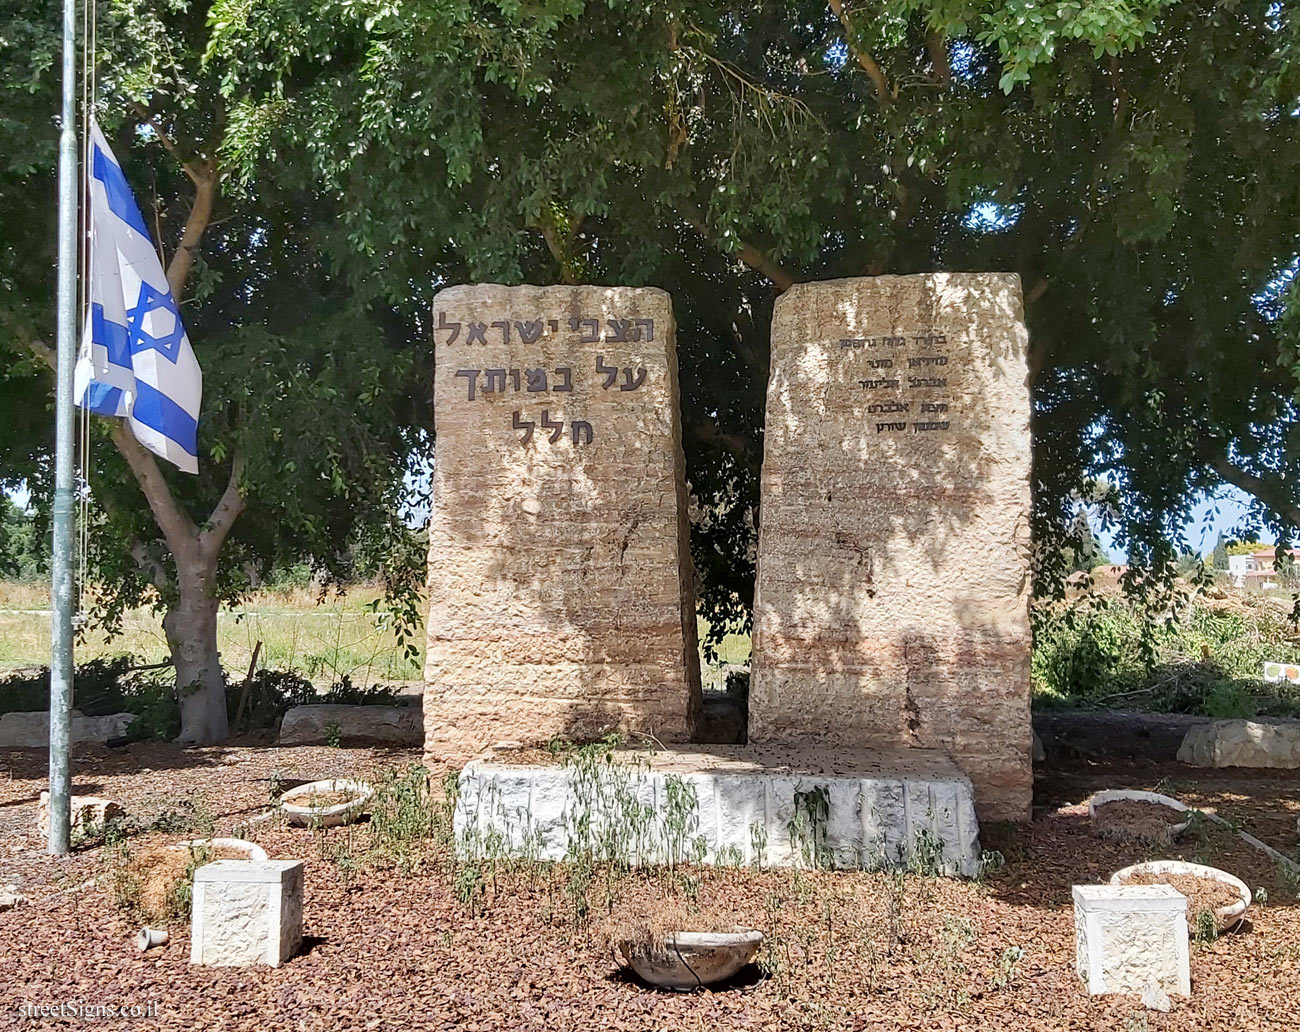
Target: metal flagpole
x,y
64,511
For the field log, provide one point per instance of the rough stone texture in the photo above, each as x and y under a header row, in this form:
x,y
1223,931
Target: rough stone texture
x,y
560,584
310,725
1243,743
893,565
32,730
1129,937
88,813
10,897
246,912
882,808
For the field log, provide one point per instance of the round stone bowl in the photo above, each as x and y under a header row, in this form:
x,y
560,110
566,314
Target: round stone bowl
x,y
294,803
1225,917
251,850
688,960
1120,795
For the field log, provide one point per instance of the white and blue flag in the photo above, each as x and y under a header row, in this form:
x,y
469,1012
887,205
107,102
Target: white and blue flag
x,y
136,361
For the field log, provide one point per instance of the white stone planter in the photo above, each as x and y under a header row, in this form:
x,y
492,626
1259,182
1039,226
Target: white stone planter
x,y
298,812
1121,795
1225,917
689,960
250,850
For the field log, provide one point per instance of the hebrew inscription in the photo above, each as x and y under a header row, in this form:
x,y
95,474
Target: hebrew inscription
x,y
560,593
891,598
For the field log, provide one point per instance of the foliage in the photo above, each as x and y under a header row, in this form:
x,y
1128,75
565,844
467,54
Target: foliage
x,y
312,398
24,552
119,685
1097,149
1089,652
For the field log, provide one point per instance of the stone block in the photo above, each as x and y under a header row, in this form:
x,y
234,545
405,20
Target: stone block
x,y
1130,937
1243,743
560,580
385,725
32,730
89,814
771,806
891,603
246,912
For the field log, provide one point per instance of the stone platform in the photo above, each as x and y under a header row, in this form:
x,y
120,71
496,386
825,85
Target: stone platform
x,y
740,805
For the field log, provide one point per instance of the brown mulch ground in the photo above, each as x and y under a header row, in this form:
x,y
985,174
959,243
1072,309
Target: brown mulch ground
x,y
844,951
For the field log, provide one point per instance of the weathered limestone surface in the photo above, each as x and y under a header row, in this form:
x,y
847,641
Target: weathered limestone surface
x,y
1243,743
728,805
89,813
311,725
893,567
246,912
32,730
1129,937
560,590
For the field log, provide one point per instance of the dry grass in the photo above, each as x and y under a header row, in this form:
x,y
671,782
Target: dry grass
x,y
324,641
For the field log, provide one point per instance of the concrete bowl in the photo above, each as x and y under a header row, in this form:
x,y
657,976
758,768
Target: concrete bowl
x,y
1120,795
689,960
296,810
251,850
1225,917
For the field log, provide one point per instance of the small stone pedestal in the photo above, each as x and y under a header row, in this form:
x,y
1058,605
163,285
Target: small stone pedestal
x,y
246,912
1129,937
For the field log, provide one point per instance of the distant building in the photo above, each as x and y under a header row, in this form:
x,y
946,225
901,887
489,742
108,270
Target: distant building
x,y
1258,570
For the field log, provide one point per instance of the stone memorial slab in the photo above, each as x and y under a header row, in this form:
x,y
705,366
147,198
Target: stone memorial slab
x,y
893,567
560,585
246,912
1131,937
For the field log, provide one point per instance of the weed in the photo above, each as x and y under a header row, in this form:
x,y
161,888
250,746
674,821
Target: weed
x,y
333,734
1006,971
1207,928
812,811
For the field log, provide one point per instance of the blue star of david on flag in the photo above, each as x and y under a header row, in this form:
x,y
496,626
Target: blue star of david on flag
x,y
136,361
152,335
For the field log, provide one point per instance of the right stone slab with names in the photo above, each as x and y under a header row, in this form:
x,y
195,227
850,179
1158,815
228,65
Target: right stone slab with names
x,y
893,557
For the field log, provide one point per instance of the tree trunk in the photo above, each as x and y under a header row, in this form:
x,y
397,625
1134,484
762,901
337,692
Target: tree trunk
x,y
191,629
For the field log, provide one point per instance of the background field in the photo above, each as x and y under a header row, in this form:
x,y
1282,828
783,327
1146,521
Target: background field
x,y
323,641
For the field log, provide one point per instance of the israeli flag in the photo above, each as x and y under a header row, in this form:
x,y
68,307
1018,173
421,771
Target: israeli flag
x,y
136,361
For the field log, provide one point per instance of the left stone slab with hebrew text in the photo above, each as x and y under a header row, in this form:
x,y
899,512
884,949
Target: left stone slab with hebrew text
x,y
560,586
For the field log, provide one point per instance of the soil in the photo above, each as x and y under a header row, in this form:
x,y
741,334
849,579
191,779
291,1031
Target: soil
x,y
1202,893
1133,820
322,800
436,946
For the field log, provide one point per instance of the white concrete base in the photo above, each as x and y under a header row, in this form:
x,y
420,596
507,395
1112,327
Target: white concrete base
x,y
1129,937
763,805
246,912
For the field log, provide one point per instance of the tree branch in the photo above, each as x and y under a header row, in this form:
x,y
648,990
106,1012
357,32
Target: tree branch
x,y
868,63
750,255
205,193
45,353
151,567
146,117
223,517
175,523
1273,495
937,46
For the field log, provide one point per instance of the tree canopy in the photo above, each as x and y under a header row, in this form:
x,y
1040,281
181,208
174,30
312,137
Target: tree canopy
x,y
1130,160
309,420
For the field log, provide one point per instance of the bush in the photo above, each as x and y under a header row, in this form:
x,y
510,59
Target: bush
x,y
1089,652
121,685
